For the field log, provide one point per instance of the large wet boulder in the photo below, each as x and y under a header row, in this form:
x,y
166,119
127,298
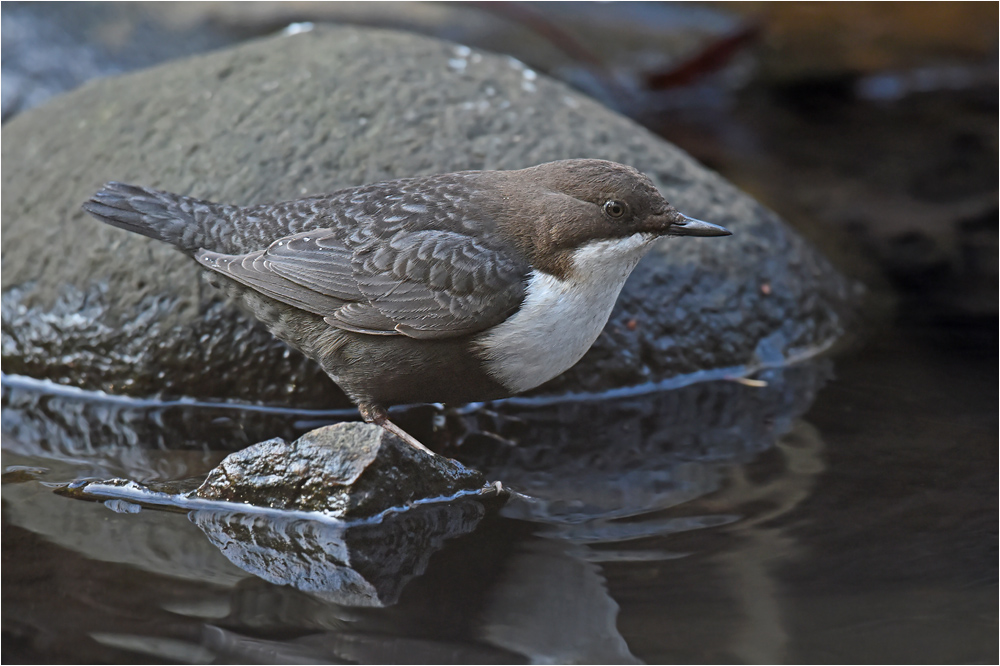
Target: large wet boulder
x,y
93,306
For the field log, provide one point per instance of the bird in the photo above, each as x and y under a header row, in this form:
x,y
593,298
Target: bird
x,y
452,288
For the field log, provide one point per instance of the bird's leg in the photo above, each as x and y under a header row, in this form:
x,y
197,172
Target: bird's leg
x,y
378,415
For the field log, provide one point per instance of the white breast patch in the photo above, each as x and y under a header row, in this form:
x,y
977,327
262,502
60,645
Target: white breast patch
x,y
560,319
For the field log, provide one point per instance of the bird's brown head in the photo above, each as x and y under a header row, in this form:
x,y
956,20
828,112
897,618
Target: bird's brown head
x,y
560,207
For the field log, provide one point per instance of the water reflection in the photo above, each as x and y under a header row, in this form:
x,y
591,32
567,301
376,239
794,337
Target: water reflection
x,y
60,421
606,485
590,465
762,636
362,564
157,542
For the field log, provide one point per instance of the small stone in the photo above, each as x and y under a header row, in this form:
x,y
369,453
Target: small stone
x,y
347,470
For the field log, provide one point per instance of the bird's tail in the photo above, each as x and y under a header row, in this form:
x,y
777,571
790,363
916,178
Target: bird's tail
x,y
172,218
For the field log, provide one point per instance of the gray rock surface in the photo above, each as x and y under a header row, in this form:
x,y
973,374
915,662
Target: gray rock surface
x,y
347,470
279,118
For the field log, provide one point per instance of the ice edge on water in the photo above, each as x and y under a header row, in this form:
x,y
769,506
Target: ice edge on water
x,y
135,493
50,387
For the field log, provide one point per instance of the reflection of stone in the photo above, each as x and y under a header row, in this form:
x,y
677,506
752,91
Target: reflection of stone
x,y
598,460
361,564
350,470
347,470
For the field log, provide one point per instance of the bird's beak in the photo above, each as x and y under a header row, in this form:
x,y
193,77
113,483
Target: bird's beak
x,y
683,225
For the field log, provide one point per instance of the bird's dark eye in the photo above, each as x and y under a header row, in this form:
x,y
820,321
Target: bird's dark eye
x,y
615,208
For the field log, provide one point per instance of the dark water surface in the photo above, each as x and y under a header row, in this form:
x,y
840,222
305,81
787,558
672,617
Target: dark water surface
x,y
832,511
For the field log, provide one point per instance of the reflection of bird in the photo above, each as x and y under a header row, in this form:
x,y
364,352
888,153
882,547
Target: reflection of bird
x,y
452,288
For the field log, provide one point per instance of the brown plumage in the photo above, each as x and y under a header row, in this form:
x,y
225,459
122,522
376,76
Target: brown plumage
x,y
426,289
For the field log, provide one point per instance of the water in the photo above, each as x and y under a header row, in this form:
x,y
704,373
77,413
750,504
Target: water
x,y
835,511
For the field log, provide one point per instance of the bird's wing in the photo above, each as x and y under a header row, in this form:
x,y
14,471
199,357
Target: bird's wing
x,y
422,284
438,284
318,278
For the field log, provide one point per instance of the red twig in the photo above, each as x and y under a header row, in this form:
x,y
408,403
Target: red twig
x,y
711,58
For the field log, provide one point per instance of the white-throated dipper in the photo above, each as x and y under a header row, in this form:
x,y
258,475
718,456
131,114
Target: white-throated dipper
x,y
453,288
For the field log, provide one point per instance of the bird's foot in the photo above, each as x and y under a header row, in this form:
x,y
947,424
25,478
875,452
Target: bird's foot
x,y
378,415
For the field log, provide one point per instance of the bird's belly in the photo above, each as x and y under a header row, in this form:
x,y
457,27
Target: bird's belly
x,y
555,326
392,370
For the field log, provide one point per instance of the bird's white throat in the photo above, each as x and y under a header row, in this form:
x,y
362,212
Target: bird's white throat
x,y
560,319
